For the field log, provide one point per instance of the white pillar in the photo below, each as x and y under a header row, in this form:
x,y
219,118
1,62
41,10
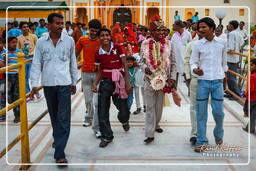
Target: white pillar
x,y
141,10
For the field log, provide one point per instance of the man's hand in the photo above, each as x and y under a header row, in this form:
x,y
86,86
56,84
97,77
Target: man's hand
x,y
94,88
73,89
128,88
147,71
198,71
33,92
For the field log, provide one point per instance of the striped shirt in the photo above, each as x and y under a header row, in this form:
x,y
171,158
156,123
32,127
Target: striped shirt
x,y
11,57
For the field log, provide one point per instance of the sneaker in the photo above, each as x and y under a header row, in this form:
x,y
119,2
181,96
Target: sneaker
x,y
97,134
192,140
87,124
137,111
126,126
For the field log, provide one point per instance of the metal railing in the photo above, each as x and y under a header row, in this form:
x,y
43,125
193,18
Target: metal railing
x,y
24,127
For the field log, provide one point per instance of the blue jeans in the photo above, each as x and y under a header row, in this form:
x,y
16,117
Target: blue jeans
x,y
204,90
28,68
231,78
58,99
130,100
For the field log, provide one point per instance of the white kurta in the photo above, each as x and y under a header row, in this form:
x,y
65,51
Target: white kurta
x,y
180,42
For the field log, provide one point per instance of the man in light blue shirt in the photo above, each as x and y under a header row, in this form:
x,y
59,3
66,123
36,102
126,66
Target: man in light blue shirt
x,y
15,31
195,18
55,60
41,29
176,16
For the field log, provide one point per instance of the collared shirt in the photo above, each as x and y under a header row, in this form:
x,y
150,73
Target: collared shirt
x,y
187,70
234,42
69,32
180,42
40,30
56,64
16,32
243,33
211,57
223,36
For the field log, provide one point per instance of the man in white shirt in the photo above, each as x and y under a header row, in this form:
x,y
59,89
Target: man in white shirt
x,y
243,32
219,33
68,30
208,60
55,60
234,42
180,39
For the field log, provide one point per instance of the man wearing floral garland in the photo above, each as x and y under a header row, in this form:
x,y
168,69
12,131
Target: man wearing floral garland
x,y
160,72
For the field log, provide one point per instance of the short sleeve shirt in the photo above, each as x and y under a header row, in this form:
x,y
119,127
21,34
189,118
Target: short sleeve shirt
x,y
109,60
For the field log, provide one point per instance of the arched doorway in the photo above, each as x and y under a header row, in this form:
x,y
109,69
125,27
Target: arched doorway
x,y
122,16
151,12
81,15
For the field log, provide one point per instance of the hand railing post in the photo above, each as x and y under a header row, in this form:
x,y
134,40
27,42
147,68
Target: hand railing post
x,y
25,151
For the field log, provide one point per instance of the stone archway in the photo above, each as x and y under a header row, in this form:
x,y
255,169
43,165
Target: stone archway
x,y
122,16
81,15
151,12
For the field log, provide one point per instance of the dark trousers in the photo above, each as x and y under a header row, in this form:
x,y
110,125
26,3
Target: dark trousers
x,y
58,99
252,114
13,92
106,89
232,83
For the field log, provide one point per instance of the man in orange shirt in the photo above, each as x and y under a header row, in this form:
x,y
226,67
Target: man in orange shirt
x,y
90,45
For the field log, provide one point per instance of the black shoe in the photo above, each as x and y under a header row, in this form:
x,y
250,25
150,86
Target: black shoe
x,y
192,140
16,120
62,163
149,140
144,108
126,126
104,143
159,130
219,141
246,130
137,111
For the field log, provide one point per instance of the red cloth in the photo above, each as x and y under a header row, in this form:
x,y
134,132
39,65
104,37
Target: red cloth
x,y
132,38
2,76
109,61
252,88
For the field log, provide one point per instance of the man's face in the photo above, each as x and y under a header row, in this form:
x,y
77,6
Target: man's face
x,y
218,32
229,27
105,38
57,25
194,27
42,23
205,30
158,34
12,44
241,25
25,28
93,32
67,26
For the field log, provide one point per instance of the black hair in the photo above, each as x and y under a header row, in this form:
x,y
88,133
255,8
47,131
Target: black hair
x,y
15,24
10,38
77,24
35,23
130,58
103,29
22,23
219,27
190,20
179,23
83,25
241,22
52,15
94,23
43,19
68,22
253,61
234,23
144,29
208,21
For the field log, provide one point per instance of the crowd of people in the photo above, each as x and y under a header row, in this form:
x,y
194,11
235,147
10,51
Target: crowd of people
x,y
123,62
